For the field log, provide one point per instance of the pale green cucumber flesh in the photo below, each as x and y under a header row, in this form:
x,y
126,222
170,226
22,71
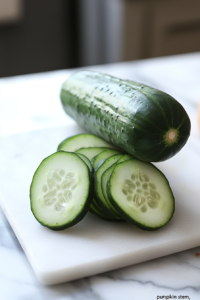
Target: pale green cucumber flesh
x,y
61,190
141,194
73,143
87,161
98,211
103,155
104,178
90,152
97,183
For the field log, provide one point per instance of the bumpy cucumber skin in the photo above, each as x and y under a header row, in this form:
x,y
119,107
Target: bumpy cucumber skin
x,y
85,208
127,114
126,217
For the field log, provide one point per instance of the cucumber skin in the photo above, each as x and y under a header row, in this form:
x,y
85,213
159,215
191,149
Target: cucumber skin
x,y
129,115
96,210
127,217
84,210
99,202
107,200
60,146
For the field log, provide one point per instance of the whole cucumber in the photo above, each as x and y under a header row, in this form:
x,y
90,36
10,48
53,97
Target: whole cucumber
x,y
145,122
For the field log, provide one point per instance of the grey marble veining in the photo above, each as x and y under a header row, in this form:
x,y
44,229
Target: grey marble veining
x,y
174,276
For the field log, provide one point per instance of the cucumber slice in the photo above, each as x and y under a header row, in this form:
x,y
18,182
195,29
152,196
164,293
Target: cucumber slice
x,y
141,194
90,152
78,141
97,183
104,178
96,210
102,156
86,160
98,213
61,190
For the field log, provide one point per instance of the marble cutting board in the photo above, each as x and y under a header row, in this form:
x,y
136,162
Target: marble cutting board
x,y
92,246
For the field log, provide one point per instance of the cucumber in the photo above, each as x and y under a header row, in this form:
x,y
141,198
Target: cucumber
x,y
141,194
97,183
104,179
61,191
73,143
91,151
146,123
98,213
96,210
102,156
87,161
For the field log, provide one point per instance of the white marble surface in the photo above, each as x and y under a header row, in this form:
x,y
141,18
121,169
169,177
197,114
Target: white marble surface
x,y
92,246
32,102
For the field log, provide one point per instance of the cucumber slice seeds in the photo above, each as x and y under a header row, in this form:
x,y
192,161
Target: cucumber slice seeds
x,y
141,194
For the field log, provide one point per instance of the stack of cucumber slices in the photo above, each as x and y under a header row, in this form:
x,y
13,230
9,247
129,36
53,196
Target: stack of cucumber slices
x,y
88,174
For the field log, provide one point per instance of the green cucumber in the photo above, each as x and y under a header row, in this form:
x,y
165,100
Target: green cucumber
x,y
87,161
102,156
61,190
104,179
96,210
91,151
141,194
100,199
75,142
146,123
